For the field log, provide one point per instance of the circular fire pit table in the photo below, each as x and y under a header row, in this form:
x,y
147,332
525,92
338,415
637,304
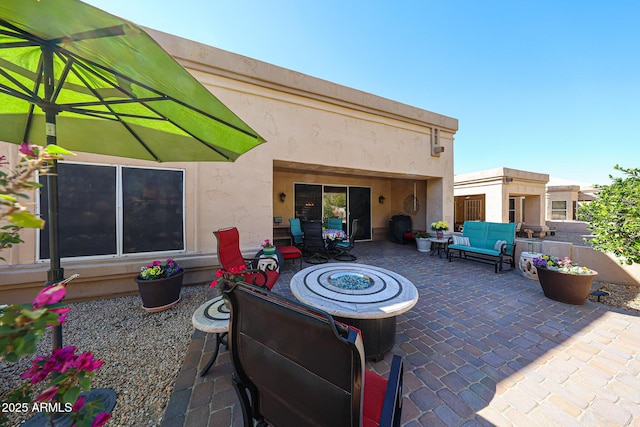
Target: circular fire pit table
x,y
366,297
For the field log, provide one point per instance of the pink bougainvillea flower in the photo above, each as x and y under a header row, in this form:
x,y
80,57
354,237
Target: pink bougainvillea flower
x,y
86,362
62,312
48,394
49,295
65,353
78,404
101,419
35,373
28,149
63,358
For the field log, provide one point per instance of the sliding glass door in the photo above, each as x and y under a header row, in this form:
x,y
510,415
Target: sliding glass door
x,y
318,202
360,208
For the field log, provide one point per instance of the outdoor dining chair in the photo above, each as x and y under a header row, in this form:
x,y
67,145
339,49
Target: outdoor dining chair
x,y
314,246
344,247
295,366
334,223
230,256
297,238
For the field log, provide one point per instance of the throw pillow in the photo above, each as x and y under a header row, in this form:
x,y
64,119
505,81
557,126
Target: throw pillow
x,y
462,241
498,245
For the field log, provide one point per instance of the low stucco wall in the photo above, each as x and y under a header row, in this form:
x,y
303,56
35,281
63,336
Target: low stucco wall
x,y
608,267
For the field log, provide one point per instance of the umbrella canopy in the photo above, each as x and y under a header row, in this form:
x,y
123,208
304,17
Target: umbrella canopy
x,y
114,90
74,74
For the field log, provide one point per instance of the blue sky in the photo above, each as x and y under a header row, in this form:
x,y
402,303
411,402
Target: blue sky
x,y
544,86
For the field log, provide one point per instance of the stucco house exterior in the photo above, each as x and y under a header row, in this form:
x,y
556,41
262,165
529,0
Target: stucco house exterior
x,y
565,197
321,137
501,195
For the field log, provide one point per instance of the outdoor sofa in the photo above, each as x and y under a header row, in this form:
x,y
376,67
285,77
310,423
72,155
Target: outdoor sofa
x,y
488,242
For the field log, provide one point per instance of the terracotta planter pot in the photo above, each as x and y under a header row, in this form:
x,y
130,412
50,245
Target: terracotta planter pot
x,y
567,288
160,294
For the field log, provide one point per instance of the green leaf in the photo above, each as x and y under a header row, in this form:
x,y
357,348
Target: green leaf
x,y
56,149
8,198
85,382
71,395
26,219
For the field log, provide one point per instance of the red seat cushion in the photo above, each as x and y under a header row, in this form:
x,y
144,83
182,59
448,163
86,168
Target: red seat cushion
x,y
408,235
375,387
272,278
290,252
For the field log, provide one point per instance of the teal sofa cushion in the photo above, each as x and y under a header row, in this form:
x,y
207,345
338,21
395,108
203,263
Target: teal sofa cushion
x,y
484,235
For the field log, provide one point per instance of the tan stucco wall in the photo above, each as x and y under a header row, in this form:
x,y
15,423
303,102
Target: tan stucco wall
x,y
498,185
608,267
337,133
565,193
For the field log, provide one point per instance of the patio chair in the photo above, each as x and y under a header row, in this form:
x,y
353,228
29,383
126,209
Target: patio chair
x,y
314,247
519,229
230,256
295,366
344,247
297,238
334,223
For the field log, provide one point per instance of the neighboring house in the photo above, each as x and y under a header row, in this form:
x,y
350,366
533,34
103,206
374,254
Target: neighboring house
x,y
500,195
564,198
321,138
510,195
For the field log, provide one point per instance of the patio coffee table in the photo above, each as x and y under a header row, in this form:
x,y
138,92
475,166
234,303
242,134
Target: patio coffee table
x,y
438,246
212,317
366,297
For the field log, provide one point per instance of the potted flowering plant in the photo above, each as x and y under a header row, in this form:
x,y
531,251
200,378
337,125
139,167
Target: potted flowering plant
x,y
160,284
439,227
563,280
268,248
234,274
422,241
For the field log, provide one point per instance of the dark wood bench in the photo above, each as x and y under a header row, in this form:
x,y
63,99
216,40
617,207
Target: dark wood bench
x,y
295,366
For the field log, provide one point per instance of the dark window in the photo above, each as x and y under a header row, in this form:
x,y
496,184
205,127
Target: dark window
x,y
152,210
87,211
512,210
308,202
151,218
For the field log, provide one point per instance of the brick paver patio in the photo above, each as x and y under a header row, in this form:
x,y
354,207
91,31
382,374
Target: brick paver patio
x,y
479,348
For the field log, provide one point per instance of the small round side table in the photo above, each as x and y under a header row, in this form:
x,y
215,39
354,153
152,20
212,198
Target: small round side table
x,y
212,317
526,266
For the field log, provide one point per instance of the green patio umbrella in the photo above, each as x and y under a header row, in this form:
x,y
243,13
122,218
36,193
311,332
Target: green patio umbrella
x,y
74,74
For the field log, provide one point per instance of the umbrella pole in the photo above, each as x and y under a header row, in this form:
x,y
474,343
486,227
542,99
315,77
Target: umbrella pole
x,y
55,273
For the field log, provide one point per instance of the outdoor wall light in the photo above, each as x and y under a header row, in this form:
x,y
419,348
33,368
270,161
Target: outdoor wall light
x,y
282,197
381,199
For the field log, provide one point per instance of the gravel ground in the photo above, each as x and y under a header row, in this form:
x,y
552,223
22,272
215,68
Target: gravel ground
x,y
626,297
143,351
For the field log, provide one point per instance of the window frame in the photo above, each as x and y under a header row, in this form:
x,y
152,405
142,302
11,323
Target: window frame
x,y
119,230
562,211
